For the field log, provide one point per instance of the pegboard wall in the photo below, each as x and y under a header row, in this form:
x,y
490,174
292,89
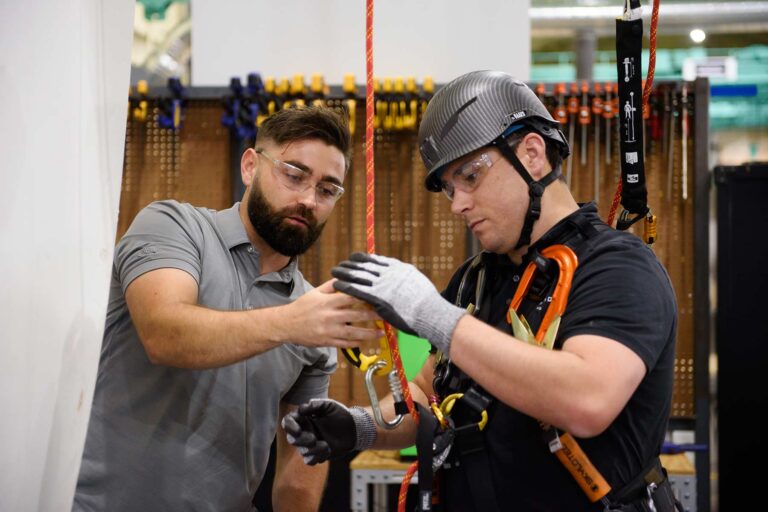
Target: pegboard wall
x,y
193,164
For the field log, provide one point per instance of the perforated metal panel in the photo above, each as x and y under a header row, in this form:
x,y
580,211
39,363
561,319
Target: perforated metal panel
x,y
191,164
412,224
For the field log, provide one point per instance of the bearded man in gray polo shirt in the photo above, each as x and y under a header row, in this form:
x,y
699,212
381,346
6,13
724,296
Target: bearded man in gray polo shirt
x,y
212,334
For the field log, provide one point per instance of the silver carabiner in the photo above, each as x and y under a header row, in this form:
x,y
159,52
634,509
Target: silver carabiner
x,y
397,393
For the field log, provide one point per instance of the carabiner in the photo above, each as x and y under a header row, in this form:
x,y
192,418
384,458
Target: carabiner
x,y
649,231
395,387
567,261
447,406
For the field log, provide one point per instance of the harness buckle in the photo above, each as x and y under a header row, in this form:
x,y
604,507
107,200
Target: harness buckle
x,y
553,439
649,490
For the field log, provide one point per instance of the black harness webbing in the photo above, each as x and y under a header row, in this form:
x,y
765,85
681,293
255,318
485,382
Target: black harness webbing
x,y
470,448
424,450
650,491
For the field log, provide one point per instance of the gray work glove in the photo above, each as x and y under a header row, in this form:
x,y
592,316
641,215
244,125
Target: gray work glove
x,y
401,295
326,429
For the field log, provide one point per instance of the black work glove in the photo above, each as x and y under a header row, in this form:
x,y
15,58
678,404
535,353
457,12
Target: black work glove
x,y
401,295
326,429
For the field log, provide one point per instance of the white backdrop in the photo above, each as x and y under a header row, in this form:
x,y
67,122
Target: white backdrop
x,y
64,72
441,38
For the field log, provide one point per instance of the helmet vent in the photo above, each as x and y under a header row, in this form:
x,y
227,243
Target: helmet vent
x,y
451,122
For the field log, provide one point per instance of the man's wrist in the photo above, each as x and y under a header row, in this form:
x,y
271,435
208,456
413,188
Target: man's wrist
x,y
277,325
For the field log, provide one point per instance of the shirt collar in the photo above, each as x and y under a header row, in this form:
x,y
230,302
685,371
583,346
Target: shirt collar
x,y
563,230
231,226
557,234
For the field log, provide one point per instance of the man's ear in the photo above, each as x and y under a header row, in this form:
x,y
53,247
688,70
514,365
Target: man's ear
x,y
248,163
535,151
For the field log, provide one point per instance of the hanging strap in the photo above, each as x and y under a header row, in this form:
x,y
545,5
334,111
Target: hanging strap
x,y
629,44
424,451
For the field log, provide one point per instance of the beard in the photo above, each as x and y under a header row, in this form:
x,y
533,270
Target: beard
x,y
269,223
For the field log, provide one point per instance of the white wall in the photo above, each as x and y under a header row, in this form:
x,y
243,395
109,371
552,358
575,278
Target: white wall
x,y
441,38
64,71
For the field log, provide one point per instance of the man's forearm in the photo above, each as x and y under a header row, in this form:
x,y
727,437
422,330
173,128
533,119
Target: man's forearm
x,y
298,487
191,336
405,433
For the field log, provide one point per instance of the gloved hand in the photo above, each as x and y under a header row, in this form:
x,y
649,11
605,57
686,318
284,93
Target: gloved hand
x,y
401,295
326,429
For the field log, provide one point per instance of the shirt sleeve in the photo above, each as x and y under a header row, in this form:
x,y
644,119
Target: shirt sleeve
x,y
623,294
163,235
315,377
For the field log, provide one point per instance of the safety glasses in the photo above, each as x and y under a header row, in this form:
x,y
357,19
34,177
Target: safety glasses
x,y
467,177
299,180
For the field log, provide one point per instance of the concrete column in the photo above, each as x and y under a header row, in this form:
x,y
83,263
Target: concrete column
x,y
585,49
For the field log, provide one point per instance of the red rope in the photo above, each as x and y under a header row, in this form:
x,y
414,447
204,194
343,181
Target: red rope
x,y
652,57
615,204
646,95
369,175
401,498
370,198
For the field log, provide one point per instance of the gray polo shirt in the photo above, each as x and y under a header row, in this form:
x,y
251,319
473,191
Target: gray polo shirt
x,y
170,439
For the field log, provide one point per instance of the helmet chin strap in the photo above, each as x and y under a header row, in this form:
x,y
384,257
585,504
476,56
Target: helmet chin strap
x,y
535,189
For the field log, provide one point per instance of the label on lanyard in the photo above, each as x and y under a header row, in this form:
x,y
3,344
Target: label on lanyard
x,y
629,42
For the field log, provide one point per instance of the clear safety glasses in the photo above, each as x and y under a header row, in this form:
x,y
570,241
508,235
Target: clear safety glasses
x,y
467,177
299,180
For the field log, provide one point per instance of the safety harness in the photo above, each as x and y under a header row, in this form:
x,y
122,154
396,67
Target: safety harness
x,y
539,301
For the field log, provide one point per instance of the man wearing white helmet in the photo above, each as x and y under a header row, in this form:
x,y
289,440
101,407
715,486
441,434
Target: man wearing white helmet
x,y
595,388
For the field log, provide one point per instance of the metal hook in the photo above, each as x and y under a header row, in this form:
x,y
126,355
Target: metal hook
x,y
396,392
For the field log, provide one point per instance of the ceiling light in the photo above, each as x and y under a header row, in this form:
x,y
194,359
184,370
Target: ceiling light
x,y
698,35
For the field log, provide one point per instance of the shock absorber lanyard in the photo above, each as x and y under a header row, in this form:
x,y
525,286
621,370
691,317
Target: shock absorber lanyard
x,y
629,43
561,444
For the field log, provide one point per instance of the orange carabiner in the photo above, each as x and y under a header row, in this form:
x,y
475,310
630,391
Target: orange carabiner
x,y
567,261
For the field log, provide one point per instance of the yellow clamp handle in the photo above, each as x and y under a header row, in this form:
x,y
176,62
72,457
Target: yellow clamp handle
x,y
350,90
363,362
141,111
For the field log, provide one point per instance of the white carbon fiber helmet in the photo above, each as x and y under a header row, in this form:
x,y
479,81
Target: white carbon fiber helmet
x,y
472,111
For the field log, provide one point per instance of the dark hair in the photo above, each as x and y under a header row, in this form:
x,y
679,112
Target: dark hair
x,y
311,122
552,150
